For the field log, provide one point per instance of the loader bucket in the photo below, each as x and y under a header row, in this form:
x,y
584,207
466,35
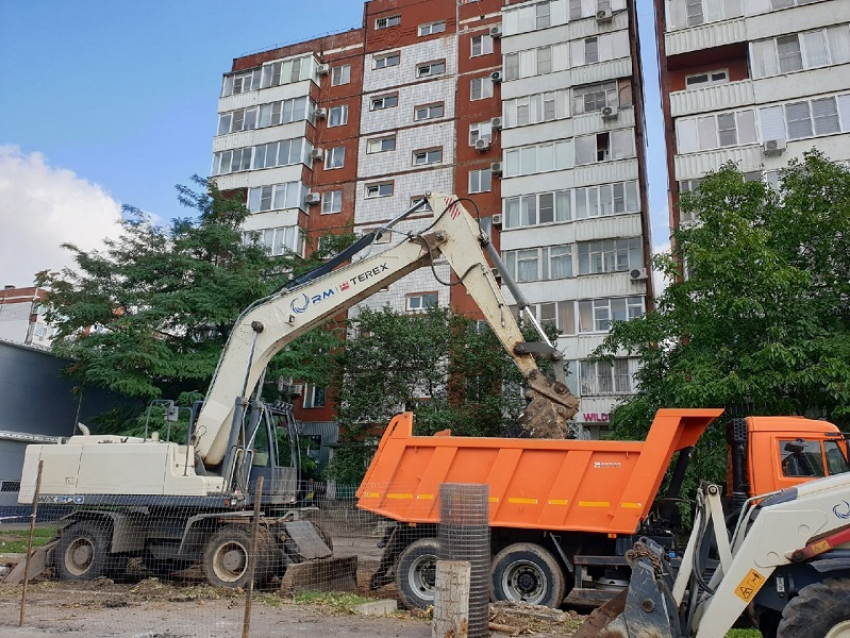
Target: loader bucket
x,y
337,573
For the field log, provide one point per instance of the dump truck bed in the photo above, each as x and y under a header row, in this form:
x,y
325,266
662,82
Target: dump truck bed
x,y
576,485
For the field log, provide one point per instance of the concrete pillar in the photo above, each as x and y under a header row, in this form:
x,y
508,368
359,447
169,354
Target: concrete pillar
x,y
451,599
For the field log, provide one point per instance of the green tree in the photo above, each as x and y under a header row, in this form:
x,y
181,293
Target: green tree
x,y
148,315
761,322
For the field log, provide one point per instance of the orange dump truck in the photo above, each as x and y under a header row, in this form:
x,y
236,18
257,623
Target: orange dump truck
x,y
564,512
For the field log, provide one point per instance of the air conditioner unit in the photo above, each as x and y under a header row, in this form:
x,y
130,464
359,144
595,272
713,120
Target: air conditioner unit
x,y
296,389
496,31
610,112
638,274
496,123
317,154
496,168
496,76
604,15
320,114
496,219
323,69
774,147
482,144
313,198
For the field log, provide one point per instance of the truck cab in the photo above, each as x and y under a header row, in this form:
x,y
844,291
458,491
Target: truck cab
x,y
786,451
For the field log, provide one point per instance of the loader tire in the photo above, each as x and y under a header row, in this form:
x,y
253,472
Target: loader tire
x,y
416,574
821,610
83,551
227,554
528,573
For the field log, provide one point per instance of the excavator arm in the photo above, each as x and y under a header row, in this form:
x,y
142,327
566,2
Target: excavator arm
x,y
270,324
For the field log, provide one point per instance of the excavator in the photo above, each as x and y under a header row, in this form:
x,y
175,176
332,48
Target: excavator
x,y
175,504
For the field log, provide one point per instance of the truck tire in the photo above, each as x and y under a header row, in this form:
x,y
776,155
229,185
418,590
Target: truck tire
x,y
416,574
821,610
528,573
83,551
226,559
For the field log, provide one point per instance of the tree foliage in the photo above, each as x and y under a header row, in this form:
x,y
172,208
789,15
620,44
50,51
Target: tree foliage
x,y
761,322
148,315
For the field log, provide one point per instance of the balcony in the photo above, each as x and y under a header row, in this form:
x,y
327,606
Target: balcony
x,y
707,36
712,98
696,165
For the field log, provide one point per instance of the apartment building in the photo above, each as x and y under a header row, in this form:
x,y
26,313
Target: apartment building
x,y
530,110
22,317
756,82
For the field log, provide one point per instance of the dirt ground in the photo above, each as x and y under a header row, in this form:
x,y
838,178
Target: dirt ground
x,y
148,608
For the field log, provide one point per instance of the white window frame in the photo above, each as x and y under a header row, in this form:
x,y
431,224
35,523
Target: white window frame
x,y
483,43
710,79
617,255
602,312
480,131
609,89
379,103
766,59
287,238
428,111
387,21
334,158
432,28
601,378
331,202
524,211
541,158
426,157
480,181
289,192
704,132
431,69
542,257
342,119
314,396
341,75
382,189
421,301
376,144
485,88
386,60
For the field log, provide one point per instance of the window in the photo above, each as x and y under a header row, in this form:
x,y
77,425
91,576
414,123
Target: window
x,y
541,60
314,396
428,111
480,45
389,21
287,71
379,190
278,241
542,15
798,51
603,377
276,197
544,60
480,131
538,159
711,78
784,4
384,102
797,120
560,314
430,69
432,28
542,208
596,315
607,199
381,144
241,82
540,264
420,302
592,98
591,51
480,181
231,161
425,208
390,59
335,157
609,255
341,75
531,109
716,131
282,153
825,115
431,156
331,202
480,88
693,11
338,115
604,147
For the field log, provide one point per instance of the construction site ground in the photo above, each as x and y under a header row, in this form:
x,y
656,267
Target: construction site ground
x,y
149,608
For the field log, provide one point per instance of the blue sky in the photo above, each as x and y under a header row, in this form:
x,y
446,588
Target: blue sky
x,y
110,102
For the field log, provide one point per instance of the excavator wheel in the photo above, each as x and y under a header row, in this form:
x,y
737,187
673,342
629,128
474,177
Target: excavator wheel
x,y
821,610
83,551
227,554
528,573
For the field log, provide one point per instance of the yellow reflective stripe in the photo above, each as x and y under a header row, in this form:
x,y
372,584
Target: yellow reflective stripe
x,y
558,501
594,504
522,501
400,496
493,499
371,494
631,506
425,497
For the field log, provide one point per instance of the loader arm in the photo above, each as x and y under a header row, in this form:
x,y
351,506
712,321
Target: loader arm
x,y
270,324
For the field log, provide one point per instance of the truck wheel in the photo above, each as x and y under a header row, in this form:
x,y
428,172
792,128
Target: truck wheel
x,y
416,574
527,573
226,561
821,610
83,551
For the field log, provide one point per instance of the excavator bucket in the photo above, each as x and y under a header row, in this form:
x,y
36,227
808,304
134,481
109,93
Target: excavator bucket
x,y
646,609
310,561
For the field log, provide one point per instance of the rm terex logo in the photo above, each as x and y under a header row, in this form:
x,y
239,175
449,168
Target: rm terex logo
x,y
301,303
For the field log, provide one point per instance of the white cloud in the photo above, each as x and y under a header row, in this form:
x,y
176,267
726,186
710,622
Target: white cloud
x,y
42,207
659,281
